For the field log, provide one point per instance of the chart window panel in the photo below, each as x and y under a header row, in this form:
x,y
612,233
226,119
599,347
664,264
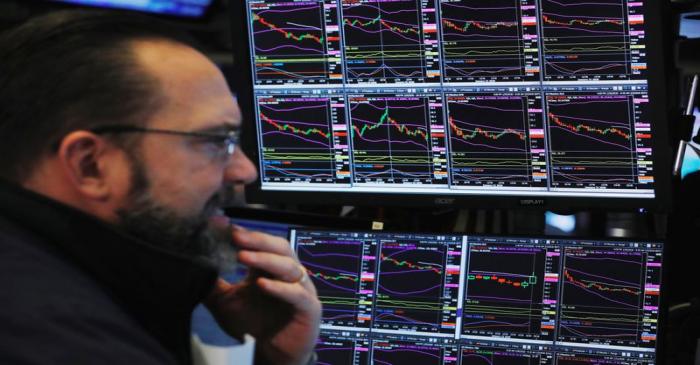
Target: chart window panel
x,y
511,288
575,356
295,42
491,353
610,293
489,41
342,348
303,138
600,138
390,41
593,41
419,351
342,270
496,138
418,284
398,138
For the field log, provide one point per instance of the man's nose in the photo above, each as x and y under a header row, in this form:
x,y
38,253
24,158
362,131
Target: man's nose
x,y
240,170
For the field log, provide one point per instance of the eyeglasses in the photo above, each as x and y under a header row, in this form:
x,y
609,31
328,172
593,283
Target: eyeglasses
x,y
225,143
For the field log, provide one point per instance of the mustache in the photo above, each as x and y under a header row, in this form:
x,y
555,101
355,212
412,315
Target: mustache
x,y
213,204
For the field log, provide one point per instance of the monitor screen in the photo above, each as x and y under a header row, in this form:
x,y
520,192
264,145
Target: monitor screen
x,y
405,298
450,99
185,8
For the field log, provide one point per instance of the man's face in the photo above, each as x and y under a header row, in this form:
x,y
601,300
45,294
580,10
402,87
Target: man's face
x,y
178,182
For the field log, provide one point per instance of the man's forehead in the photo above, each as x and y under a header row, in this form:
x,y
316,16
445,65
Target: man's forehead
x,y
195,92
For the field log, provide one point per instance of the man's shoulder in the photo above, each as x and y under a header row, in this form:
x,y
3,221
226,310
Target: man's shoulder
x,y
53,312
34,273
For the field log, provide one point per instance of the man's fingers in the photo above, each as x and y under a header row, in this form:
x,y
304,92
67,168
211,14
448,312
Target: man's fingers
x,y
257,241
292,293
281,267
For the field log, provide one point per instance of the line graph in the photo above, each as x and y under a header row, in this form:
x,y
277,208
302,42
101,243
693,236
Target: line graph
x,y
591,140
489,139
488,40
478,354
336,349
295,42
585,39
602,296
396,352
396,140
343,278
509,290
390,41
303,139
417,284
583,358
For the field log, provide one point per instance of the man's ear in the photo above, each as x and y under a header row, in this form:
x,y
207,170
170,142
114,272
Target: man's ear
x,y
82,156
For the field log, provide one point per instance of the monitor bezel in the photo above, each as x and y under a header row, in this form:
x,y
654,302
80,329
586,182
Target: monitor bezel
x,y
208,11
658,59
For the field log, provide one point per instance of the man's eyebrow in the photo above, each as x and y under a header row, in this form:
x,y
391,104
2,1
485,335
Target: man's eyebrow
x,y
220,128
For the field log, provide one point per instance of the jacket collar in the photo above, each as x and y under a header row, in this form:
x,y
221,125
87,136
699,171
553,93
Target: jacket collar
x,y
159,288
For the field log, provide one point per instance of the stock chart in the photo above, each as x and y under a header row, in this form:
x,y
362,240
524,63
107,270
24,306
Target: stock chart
x,y
591,148
493,353
296,42
390,41
336,349
397,138
416,285
584,39
435,299
509,289
607,295
304,138
342,276
454,97
495,139
397,352
606,357
489,40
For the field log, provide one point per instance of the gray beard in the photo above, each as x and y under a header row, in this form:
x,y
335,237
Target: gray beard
x,y
160,226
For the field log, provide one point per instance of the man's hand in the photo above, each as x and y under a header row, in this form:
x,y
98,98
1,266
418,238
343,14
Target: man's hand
x,y
277,303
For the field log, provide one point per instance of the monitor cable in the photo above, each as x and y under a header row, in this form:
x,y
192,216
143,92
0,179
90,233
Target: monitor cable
x,y
688,62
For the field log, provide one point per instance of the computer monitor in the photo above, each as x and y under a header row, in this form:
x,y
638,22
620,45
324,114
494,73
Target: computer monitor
x,y
406,298
182,8
530,102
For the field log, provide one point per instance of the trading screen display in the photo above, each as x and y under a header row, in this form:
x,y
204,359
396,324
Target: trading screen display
x,y
185,8
393,298
453,97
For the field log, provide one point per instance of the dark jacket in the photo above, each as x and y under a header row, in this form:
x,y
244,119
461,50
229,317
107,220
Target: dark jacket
x,y
75,290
